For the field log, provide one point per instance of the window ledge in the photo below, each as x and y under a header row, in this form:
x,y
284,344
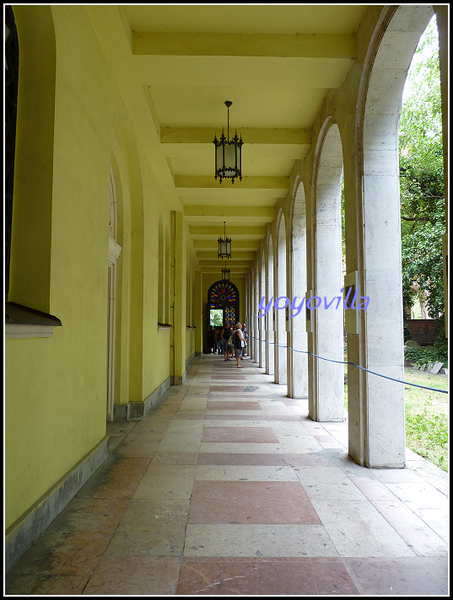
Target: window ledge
x,y
23,322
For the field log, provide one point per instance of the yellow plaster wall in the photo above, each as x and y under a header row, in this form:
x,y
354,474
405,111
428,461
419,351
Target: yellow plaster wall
x,y
55,387
156,344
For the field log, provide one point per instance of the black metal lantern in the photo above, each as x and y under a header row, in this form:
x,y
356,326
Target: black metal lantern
x,y
225,274
224,245
228,153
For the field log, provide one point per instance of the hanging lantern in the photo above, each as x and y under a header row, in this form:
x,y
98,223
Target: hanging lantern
x,y
225,274
224,250
228,153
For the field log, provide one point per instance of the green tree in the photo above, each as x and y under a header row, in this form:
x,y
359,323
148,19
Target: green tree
x,y
422,178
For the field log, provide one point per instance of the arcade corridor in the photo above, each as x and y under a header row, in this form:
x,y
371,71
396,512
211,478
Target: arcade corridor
x,y
227,487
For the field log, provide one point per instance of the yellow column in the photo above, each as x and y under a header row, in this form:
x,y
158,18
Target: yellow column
x,y
179,300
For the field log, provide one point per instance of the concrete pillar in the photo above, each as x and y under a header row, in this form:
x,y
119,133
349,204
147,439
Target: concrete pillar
x,y
269,318
280,353
298,358
376,411
326,401
179,301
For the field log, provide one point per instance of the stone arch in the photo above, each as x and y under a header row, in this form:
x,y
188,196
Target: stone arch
x,y
325,281
376,436
269,319
281,314
298,368
261,284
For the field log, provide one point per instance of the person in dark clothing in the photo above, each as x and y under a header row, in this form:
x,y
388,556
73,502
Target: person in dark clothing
x,y
210,340
225,337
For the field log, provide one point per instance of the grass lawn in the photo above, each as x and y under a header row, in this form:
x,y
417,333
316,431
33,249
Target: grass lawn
x,y
426,416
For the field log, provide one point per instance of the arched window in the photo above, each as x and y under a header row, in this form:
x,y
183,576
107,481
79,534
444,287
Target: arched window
x,y
223,295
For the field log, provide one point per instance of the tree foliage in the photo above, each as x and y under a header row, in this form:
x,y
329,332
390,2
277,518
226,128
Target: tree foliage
x,y
422,177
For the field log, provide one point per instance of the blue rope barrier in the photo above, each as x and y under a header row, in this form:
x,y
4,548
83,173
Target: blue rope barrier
x,y
353,365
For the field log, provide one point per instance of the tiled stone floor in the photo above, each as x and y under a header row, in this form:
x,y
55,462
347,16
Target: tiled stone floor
x,y
228,488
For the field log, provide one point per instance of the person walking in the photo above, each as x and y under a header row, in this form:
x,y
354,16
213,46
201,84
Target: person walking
x,y
239,342
216,340
244,333
210,340
225,336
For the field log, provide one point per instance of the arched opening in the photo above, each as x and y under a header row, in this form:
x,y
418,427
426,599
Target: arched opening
x,y
261,292
269,318
324,298
378,437
222,308
281,309
298,372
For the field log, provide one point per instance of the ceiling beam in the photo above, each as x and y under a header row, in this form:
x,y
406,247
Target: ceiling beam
x,y
169,43
205,135
216,213
279,185
208,245
237,255
249,232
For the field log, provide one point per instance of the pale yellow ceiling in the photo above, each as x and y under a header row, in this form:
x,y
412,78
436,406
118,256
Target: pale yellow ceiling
x,y
177,65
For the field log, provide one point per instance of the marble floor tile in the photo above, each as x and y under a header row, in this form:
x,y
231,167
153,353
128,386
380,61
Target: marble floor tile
x,y
264,576
328,482
166,482
358,529
242,448
116,478
250,502
419,576
239,421
277,540
134,575
421,538
43,585
245,473
233,405
241,493
139,445
228,377
227,388
150,528
298,443
239,434
236,458
64,553
175,458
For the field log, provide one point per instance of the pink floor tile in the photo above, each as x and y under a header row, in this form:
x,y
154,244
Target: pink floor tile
x,y
232,405
239,434
226,388
218,458
264,576
259,502
134,575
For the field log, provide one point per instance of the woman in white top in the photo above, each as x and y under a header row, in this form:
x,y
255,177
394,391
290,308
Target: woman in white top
x,y
239,342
